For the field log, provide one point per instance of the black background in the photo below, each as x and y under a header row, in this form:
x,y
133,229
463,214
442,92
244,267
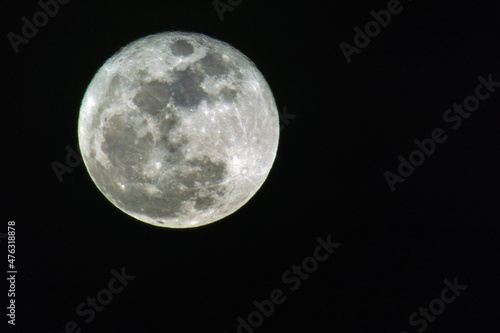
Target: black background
x,y
352,121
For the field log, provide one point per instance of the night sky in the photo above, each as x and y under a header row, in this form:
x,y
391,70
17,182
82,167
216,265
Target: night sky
x,y
380,214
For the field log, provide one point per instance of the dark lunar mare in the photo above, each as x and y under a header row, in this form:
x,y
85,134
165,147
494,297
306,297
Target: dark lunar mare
x,y
126,151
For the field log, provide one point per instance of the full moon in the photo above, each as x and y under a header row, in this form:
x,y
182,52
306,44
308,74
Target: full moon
x,y
178,129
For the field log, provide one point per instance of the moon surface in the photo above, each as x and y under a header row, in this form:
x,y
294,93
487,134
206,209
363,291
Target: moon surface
x,y
178,129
